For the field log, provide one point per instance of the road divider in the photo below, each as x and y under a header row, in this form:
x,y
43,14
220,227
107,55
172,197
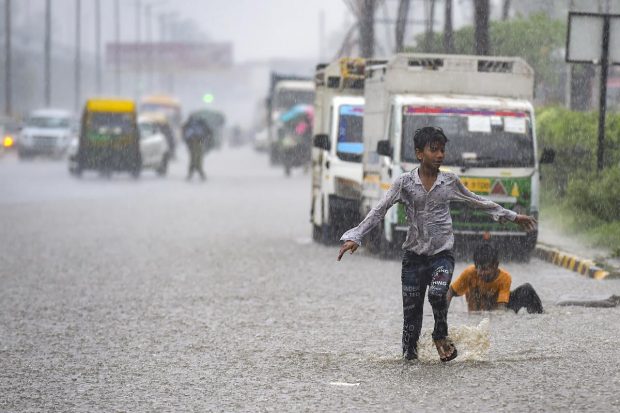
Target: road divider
x,y
585,267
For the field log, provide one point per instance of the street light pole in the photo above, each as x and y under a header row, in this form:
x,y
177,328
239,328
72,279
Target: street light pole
x,y
7,39
47,54
149,40
78,59
137,57
117,39
98,46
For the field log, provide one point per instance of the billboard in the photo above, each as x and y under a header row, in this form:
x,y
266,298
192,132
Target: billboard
x,y
585,37
169,56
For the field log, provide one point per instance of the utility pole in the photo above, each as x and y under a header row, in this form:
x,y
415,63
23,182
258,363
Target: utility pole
x,y
117,39
603,94
367,27
149,45
7,72
321,35
98,46
78,58
47,54
138,60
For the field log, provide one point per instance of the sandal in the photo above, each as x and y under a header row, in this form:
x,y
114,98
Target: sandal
x,y
443,345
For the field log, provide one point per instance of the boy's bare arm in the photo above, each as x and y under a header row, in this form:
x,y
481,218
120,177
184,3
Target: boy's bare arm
x,y
348,245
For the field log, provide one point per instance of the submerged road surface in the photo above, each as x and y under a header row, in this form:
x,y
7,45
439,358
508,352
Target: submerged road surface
x,y
159,294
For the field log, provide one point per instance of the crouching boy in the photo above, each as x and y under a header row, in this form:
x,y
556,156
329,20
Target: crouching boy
x,y
487,287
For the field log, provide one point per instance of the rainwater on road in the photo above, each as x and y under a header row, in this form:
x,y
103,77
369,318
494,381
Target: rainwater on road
x,y
164,295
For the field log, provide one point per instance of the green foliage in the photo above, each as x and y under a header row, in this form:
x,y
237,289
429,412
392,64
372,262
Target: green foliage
x,y
587,201
574,137
535,38
596,194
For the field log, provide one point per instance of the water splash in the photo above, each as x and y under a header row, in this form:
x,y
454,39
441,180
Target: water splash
x,y
472,342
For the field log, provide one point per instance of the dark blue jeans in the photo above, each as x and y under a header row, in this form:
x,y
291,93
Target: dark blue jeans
x,y
418,273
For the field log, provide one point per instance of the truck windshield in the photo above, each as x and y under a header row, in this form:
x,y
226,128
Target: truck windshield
x,y
286,98
350,120
476,138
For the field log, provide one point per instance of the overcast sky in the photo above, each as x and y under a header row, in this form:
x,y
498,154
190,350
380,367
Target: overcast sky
x,y
259,29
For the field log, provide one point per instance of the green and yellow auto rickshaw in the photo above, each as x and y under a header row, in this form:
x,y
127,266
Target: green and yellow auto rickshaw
x,y
109,138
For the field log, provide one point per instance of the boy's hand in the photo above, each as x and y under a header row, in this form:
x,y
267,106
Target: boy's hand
x,y
526,222
348,245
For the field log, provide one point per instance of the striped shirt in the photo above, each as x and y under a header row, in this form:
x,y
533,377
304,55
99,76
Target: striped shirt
x,y
428,212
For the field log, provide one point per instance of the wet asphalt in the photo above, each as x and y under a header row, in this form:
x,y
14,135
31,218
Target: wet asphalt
x,y
164,295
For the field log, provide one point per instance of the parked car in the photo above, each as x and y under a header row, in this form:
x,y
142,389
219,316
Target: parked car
x,y
46,132
9,129
155,142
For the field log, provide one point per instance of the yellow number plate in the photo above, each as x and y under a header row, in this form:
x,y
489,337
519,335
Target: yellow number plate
x,y
477,184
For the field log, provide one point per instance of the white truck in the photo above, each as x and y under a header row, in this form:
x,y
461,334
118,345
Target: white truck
x,y
285,92
483,104
337,148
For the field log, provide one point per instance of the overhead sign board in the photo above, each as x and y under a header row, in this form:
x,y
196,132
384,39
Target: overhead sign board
x,y
585,36
170,56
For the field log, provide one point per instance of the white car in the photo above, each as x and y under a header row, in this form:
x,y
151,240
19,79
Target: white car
x,y
46,132
154,146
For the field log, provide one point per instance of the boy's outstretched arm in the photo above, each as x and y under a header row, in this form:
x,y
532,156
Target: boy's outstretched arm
x,y
353,237
348,245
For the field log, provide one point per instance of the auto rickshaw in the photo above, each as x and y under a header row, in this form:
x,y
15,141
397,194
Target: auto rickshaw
x,y
109,138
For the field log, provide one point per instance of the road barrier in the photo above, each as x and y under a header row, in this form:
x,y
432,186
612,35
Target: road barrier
x,y
585,267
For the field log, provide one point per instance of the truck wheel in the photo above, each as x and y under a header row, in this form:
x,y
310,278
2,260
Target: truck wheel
x,y
316,233
135,173
162,169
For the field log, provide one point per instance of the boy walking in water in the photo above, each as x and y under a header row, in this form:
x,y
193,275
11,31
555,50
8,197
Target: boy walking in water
x,y
428,262
487,287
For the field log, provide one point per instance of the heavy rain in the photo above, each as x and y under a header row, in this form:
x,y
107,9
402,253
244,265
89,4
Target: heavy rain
x,y
324,205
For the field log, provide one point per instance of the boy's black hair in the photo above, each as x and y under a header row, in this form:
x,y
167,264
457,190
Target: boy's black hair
x,y
486,254
428,135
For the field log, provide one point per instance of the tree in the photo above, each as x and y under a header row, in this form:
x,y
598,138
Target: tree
x,y
401,24
448,34
506,10
537,38
430,25
482,9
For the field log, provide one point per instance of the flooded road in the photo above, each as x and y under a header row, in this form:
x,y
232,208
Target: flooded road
x,y
158,294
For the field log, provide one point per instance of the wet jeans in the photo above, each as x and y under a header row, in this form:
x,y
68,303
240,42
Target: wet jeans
x,y
525,296
418,273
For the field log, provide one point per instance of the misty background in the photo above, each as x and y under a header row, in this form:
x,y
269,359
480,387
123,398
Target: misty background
x,y
288,36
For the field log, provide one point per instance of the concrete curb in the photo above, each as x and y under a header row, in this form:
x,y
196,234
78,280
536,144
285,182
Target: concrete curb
x,y
585,267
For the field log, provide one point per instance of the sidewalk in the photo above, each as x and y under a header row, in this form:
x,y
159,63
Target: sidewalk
x,y
576,254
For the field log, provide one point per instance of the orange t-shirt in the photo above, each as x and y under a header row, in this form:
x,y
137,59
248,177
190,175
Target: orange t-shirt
x,y
481,295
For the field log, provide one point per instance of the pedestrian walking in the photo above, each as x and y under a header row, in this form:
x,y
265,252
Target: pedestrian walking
x,y
196,134
428,262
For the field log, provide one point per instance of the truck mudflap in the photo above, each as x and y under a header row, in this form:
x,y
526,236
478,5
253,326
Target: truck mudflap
x,y
344,211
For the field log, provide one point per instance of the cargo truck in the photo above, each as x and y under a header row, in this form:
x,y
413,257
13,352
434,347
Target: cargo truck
x,y
483,104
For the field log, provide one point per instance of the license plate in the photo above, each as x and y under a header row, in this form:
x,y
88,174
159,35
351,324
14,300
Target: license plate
x,y
482,185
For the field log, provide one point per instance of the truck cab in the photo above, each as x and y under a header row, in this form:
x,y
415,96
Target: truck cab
x,y
337,148
483,104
